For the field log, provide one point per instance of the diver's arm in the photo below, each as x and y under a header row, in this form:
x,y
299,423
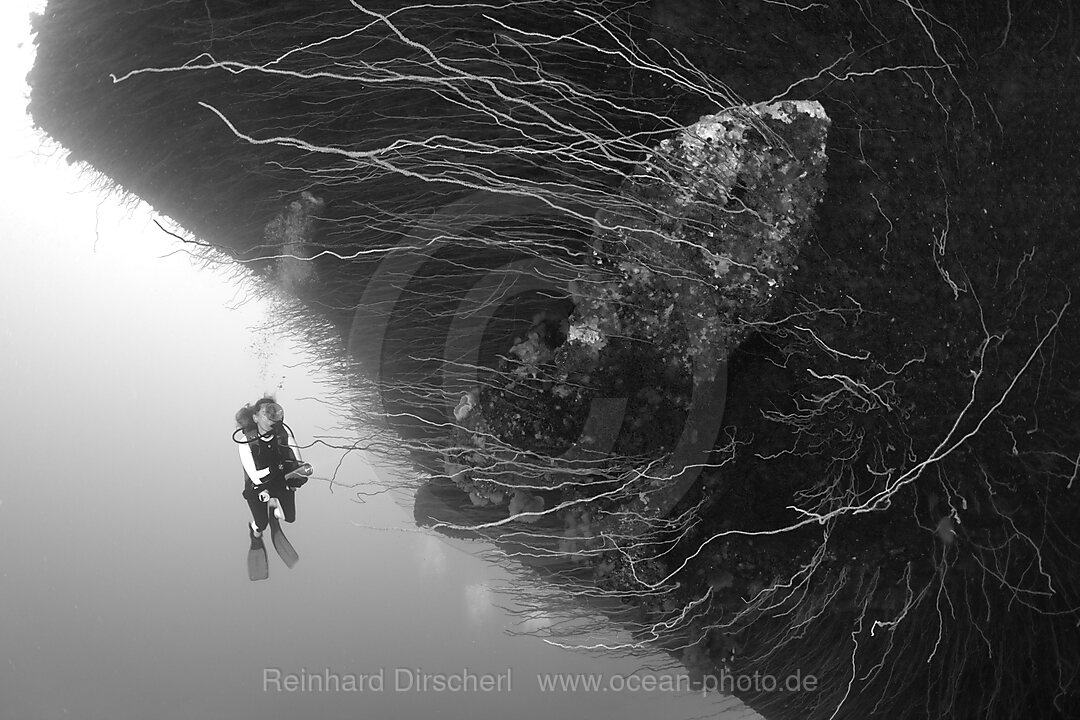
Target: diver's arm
x,y
287,449
298,472
248,462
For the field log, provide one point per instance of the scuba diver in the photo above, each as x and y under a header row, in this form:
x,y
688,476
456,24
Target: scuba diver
x,y
272,473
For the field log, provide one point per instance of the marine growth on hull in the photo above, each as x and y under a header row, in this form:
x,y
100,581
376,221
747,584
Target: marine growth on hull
x,y
584,415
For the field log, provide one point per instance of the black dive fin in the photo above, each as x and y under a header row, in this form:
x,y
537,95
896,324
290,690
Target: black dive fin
x,y
258,567
281,543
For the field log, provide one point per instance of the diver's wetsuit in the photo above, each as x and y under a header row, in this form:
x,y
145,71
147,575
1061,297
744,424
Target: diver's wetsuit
x,y
268,459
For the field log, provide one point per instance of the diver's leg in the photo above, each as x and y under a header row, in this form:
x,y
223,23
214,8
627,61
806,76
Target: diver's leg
x,y
259,515
287,501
